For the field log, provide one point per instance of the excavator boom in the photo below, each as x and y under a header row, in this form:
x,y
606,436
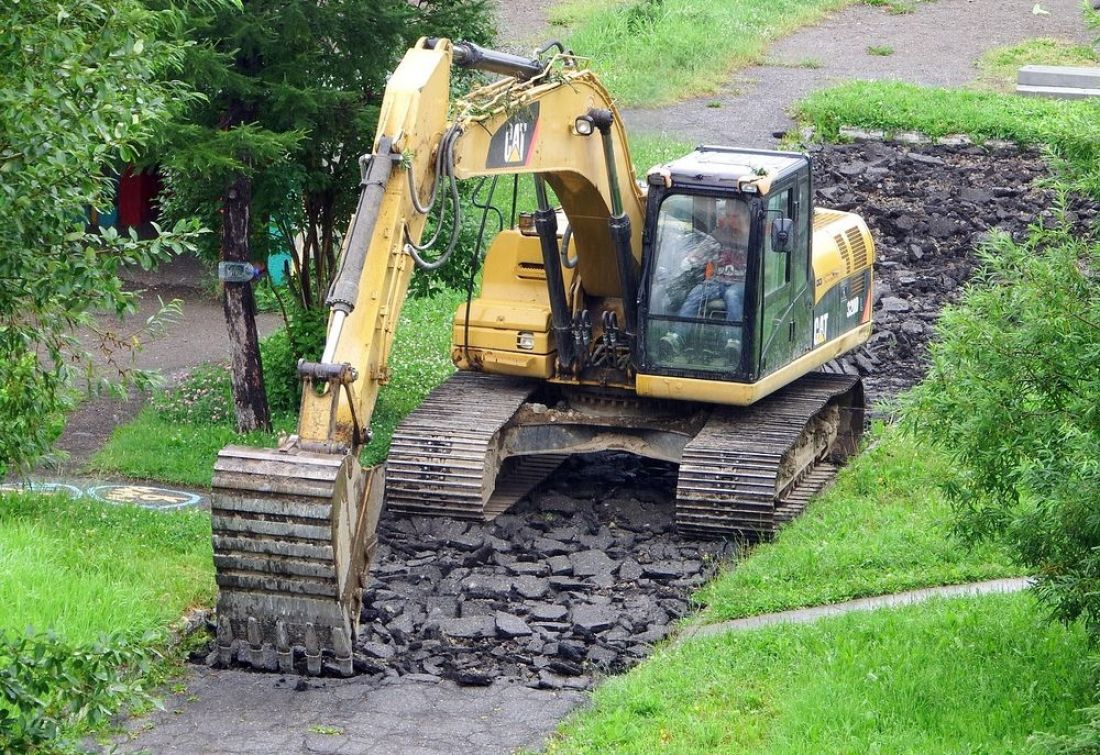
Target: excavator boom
x,y
293,527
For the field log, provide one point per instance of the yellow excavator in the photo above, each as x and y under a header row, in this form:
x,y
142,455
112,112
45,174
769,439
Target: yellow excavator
x,y
681,318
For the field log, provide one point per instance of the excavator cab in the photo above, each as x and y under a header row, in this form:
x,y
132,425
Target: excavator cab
x,y
728,266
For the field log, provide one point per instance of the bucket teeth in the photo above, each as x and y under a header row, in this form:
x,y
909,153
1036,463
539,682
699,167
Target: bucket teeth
x,y
225,641
292,538
313,651
255,644
284,655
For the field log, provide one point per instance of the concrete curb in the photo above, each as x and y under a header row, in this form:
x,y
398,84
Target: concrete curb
x,y
808,615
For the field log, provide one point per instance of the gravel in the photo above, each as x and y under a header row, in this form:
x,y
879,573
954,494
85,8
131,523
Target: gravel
x,y
533,602
928,208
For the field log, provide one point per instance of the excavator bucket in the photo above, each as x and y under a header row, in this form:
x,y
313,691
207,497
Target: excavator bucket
x,y
294,534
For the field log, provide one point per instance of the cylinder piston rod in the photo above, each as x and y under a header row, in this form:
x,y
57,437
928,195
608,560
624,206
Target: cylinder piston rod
x,y
469,55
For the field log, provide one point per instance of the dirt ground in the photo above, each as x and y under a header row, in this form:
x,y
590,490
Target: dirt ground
x,y
197,337
231,711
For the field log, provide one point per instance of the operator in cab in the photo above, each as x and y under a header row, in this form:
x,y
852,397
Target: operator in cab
x,y
721,258
701,277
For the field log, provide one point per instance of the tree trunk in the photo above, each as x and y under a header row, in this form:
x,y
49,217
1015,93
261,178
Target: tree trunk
x,y
249,396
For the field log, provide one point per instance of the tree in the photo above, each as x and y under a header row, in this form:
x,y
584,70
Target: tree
x,y
83,89
294,89
1013,394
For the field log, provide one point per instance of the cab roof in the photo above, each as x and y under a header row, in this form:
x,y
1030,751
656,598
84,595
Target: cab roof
x,y
748,170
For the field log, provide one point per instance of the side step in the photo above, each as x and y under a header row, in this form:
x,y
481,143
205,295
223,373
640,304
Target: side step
x,y
751,469
446,457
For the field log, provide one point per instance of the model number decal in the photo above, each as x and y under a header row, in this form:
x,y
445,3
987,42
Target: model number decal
x,y
821,327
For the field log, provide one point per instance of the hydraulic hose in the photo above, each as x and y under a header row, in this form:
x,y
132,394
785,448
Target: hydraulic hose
x,y
444,171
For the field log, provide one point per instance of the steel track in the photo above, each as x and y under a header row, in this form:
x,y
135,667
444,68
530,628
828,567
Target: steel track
x,y
730,480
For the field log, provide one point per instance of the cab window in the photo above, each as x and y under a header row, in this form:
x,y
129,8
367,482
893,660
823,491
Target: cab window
x,y
777,268
697,288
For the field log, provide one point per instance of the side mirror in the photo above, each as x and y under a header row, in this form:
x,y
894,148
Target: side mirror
x,y
782,228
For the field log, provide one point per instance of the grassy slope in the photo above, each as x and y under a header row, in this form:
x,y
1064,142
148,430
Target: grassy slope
x,y
883,528
967,675
1069,128
83,568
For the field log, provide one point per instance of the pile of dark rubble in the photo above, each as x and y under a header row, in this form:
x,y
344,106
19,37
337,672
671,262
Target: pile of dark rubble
x,y
929,208
580,579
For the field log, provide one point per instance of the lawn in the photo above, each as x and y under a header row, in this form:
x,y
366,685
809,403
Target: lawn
x,y
83,568
884,527
948,676
89,592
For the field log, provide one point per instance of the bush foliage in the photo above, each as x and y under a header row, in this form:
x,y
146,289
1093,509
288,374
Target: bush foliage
x,y
84,88
302,338
51,691
1013,393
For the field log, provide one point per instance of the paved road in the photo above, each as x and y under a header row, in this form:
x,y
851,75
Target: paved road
x,y
239,713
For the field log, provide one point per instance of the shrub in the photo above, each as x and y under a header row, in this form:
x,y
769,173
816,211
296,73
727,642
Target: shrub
x,y
51,691
1013,393
302,338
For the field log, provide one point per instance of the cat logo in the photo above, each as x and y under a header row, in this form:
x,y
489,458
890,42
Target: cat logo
x,y
513,142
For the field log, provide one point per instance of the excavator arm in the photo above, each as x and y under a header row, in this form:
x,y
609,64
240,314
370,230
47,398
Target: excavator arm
x,y
294,527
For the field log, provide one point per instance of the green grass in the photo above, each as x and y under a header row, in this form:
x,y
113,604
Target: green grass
x,y
84,568
883,528
149,448
997,68
653,52
880,50
1069,128
421,360
947,676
